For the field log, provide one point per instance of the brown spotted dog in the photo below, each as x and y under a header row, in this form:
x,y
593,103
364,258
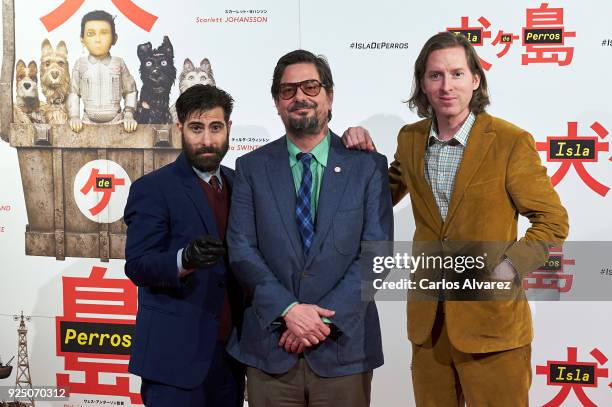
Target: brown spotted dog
x,y
54,81
27,105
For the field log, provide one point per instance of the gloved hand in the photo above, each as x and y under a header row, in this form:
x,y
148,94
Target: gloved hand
x,y
203,251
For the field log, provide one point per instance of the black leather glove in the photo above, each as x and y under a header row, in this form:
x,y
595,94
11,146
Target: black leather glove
x,y
203,251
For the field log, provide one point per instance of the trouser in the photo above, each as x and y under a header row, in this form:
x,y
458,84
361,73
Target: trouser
x,y
223,387
300,386
444,376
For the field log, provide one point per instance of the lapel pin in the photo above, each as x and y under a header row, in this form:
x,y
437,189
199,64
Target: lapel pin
x,y
337,169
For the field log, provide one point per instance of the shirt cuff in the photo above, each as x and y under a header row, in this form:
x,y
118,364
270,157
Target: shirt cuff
x,y
182,272
324,319
517,277
288,308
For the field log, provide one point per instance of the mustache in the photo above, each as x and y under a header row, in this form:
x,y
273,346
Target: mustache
x,y
302,105
204,150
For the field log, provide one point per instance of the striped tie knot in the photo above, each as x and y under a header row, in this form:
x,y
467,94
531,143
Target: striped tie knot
x,y
215,184
304,158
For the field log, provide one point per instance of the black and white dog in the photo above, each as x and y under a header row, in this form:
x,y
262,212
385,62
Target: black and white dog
x,y
157,72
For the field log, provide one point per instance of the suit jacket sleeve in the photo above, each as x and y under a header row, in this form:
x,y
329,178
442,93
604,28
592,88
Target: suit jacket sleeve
x,y
269,297
353,293
535,198
397,182
149,259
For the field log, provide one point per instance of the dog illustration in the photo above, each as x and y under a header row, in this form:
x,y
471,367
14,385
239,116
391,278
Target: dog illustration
x,y
54,81
157,72
190,75
27,105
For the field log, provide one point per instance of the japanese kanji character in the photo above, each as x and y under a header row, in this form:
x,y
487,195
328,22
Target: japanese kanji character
x,y
475,35
64,11
541,43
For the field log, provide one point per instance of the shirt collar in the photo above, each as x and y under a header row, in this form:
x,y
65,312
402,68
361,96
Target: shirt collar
x,y
207,175
93,60
320,152
461,136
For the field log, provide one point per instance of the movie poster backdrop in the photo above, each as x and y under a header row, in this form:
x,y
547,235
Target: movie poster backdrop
x,y
67,311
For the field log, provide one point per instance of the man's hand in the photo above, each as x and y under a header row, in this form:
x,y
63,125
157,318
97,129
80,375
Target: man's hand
x,y
292,343
203,251
503,271
358,138
76,124
304,321
129,124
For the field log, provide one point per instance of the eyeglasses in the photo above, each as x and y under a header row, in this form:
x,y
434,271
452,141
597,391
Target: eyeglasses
x,y
310,87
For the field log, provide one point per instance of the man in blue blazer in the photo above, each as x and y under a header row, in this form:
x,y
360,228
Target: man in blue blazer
x,y
301,206
175,254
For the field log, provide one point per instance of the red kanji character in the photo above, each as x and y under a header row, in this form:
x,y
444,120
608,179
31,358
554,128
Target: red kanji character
x,y
115,296
106,190
135,14
550,275
105,304
475,35
61,14
566,383
572,156
506,39
64,11
544,33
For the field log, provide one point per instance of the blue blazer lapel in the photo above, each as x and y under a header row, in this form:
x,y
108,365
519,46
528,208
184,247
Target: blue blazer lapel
x,y
333,187
228,175
283,190
196,195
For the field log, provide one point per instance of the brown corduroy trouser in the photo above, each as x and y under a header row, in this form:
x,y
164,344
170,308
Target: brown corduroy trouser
x,y
443,376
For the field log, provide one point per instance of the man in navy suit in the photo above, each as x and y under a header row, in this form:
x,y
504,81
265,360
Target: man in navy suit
x,y
175,254
301,206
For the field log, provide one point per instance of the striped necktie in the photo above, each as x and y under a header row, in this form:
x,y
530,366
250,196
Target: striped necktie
x,y
215,184
303,211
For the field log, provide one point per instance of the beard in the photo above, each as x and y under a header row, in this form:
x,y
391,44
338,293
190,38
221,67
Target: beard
x,y
209,163
305,125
